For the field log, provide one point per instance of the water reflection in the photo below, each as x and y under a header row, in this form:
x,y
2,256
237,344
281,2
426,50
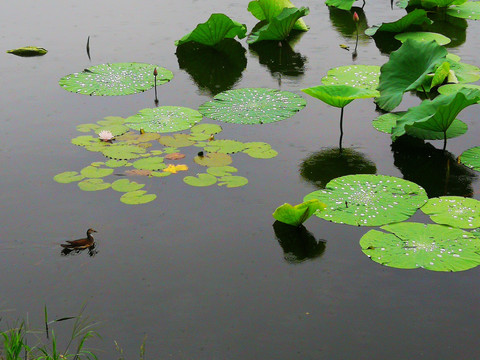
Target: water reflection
x,y
452,27
342,21
321,167
435,170
214,69
298,243
91,251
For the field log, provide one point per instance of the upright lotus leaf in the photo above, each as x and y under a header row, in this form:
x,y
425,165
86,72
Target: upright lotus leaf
x,y
93,185
340,4
437,114
339,95
456,211
416,17
471,158
68,177
225,146
298,214
423,36
406,70
279,27
137,197
201,180
217,28
150,163
123,152
467,10
95,172
269,9
252,106
232,181
115,79
164,119
369,200
359,76
28,51
413,245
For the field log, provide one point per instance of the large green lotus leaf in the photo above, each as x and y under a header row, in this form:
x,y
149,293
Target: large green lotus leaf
x,y
252,106
359,76
279,27
176,141
369,200
213,159
137,197
386,122
150,163
413,245
427,4
340,4
298,214
407,69
201,180
416,17
437,114
339,95
68,177
454,211
115,79
232,181
224,146
125,185
471,158
164,119
259,150
464,73
93,185
269,9
111,120
423,37
468,10
27,51
214,30
123,152
87,127
95,172
454,88
220,171
115,129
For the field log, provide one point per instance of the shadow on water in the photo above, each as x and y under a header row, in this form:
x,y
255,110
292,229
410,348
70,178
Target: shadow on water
x,y
435,170
452,27
91,251
322,166
298,243
213,69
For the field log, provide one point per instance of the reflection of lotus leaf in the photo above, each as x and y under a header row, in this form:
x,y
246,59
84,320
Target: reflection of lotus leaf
x,y
115,79
339,95
200,180
68,177
150,163
93,185
125,185
137,197
369,200
252,106
423,36
176,141
213,159
123,152
471,158
360,76
225,146
95,172
164,119
413,245
454,211
232,181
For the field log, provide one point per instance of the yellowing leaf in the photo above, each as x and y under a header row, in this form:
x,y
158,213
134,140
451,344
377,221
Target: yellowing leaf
x,y
175,168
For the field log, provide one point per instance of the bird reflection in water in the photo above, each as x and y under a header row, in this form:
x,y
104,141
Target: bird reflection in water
x,y
74,247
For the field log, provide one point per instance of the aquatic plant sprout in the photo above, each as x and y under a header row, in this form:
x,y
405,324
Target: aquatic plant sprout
x,y
454,211
413,245
369,200
298,214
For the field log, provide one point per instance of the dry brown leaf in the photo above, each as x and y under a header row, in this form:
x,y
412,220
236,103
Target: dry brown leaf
x,y
139,172
174,156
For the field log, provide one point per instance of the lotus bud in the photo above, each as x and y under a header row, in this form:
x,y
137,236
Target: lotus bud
x,y
155,72
355,17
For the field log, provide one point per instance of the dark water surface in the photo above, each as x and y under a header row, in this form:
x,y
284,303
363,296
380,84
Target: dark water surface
x,y
202,271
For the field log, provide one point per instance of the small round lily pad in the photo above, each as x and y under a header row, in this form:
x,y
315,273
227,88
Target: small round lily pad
x,y
213,159
68,177
224,146
95,172
221,170
93,185
137,197
454,211
123,152
125,185
150,163
200,180
232,181
176,141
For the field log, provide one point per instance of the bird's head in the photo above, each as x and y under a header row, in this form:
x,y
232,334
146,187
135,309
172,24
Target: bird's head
x,y
89,231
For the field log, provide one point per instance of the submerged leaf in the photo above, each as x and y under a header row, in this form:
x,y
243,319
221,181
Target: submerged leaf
x,y
454,211
298,214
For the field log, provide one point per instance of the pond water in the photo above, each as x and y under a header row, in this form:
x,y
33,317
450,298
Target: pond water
x,y
201,271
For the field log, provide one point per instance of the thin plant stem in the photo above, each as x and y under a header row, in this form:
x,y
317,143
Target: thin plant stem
x,y
444,140
341,130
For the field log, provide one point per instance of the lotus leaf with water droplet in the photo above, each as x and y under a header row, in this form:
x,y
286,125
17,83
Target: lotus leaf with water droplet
x,y
358,76
164,119
454,211
468,10
423,36
471,158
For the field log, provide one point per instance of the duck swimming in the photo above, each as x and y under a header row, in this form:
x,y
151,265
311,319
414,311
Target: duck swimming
x,y
81,243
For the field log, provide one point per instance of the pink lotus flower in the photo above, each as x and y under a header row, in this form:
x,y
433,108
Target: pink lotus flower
x,y
105,135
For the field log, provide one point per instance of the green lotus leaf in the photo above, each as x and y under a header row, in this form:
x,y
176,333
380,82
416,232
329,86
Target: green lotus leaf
x,y
95,172
232,181
202,132
137,197
339,95
87,127
416,17
441,73
340,4
123,152
84,140
161,173
269,9
280,26
471,158
164,119
146,137
213,159
369,200
116,163
359,76
467,10
115,129
200,180
150,163
454,88
454,211
125,185
217,28
220,171
252,106
111,120
259,150
93,185
176,141
423,37
298,214
156,152
464,73
115,79
437,114
68,177
168,150
97,163
224,146
406,70
413,245
27,51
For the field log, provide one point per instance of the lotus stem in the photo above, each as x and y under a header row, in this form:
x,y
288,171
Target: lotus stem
x,y
444,140
341,130
155,73
88,48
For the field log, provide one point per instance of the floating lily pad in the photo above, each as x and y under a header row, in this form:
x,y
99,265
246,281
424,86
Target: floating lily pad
x,y
221,170
423,37
123,152
28,51
339,95
471,158
115,129
232,181
259,150
454,211
298,214
213,159
176,141
137,197
224,146
454,88
359,76
340,4
111,120
116,163
164,119
468,10
252,106
150,163
95,172
68,177
146,137
87,127
200,180
125,185
84,140
432,247
369,200
93,185
202,132
115,79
